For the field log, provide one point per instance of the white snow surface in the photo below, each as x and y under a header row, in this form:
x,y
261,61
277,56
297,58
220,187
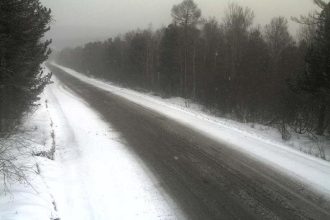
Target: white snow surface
x,y
99,177
31,199
314,172
94,175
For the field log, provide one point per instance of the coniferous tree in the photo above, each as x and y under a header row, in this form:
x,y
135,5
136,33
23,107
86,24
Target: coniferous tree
x,y
23,24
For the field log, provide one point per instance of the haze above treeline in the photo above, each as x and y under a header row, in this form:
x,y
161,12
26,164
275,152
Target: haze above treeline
x,y
76,22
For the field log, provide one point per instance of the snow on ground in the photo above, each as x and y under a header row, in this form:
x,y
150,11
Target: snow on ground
x,y
262,145
306,143
93,176
30,199
100,178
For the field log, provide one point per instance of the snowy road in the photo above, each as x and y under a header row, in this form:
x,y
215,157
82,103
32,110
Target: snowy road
x,y
207,180
98,177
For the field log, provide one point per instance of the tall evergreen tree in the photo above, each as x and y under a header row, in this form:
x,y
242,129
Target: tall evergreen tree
x,y
23,24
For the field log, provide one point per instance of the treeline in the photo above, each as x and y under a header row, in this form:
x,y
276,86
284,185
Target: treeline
x,y
23,24
248,72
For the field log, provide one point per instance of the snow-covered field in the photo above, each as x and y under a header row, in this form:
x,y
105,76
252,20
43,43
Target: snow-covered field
x,y
262,143
93,176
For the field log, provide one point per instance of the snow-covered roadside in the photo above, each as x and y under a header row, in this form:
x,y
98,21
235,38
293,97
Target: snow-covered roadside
x,y
93,176
100,178
31,199
260,145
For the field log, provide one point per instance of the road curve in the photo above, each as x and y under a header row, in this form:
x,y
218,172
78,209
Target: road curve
x,y
207,180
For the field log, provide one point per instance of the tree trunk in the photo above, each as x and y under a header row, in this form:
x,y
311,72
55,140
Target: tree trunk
x,y
185,73
321,119
194,74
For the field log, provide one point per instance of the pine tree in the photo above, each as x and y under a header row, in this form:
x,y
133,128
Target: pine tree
x,y
23,24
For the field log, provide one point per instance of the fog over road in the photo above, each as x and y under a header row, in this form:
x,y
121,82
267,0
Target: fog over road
x,y
207,180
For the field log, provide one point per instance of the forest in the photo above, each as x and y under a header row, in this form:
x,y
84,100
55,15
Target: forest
x,y
233,67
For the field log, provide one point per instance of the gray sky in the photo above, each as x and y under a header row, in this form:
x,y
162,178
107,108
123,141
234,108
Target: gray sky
x,y
79,21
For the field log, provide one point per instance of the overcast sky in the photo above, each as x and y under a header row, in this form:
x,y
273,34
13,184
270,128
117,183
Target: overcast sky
x,y
78,21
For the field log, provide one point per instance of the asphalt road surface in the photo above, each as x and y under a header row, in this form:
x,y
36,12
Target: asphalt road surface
x,y
207,179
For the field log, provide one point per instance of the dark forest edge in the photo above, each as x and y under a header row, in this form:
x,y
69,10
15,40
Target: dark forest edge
x,y
22,51
23,24
253,74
